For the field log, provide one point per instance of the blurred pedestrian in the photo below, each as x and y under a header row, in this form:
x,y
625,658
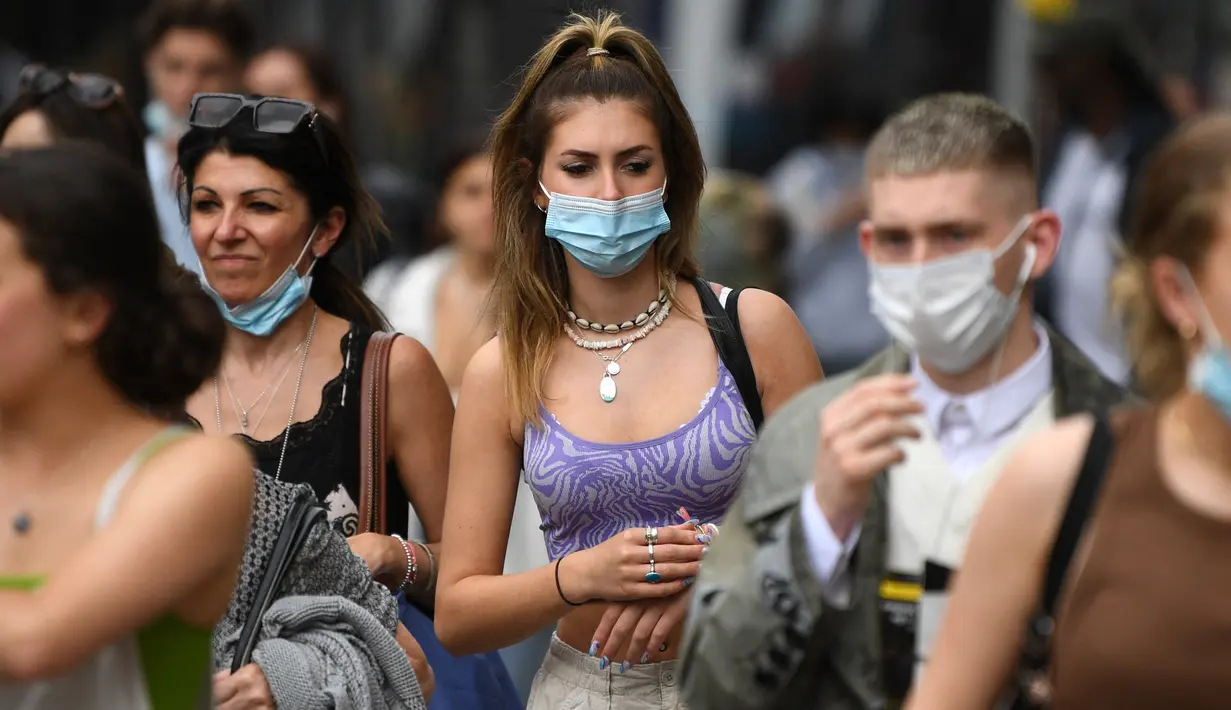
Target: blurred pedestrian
x,y
1115,528
307,72
95,484
189,47
824,593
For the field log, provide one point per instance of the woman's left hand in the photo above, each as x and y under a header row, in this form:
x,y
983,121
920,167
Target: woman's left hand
x,y
383,554
632,632
246,689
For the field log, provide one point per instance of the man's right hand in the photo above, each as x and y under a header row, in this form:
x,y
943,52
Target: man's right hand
x,y
859,435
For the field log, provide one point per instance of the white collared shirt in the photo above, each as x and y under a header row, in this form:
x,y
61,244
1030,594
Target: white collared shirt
x,y
969,429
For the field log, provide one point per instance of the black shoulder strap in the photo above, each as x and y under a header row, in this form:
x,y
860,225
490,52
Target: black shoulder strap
x,y
729,341
1081,502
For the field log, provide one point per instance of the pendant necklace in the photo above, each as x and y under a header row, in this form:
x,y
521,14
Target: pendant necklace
x,y
241,412
290,420
21,522
607,385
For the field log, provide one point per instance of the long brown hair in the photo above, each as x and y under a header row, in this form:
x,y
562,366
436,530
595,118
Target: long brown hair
x,y
531,282
1179,209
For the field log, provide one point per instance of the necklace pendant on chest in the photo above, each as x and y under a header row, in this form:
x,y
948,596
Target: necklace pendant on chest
x,y
607,387
21,523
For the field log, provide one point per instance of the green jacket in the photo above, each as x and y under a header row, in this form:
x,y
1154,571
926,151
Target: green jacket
x,y
760,634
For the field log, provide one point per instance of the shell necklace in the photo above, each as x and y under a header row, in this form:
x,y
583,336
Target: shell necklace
x,y
607,386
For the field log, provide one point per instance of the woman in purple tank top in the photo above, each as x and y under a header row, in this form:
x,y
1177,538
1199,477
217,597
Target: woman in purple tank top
x,y
604,387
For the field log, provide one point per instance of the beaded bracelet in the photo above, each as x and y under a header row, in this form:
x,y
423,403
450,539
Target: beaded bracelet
x,y
412,564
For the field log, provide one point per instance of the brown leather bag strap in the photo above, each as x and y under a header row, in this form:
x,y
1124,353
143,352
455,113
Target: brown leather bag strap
x,y
372,452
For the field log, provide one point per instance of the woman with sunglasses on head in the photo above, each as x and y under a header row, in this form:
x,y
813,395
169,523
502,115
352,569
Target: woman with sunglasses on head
x,y
95,611
603,384
55,106
270,193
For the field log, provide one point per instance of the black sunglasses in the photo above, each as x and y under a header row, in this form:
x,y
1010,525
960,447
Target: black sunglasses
x,y
269,114
90,90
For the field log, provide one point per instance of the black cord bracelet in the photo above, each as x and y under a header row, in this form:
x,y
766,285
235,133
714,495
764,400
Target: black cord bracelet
x,y
560,589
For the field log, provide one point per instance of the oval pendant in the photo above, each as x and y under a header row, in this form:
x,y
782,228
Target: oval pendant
x,y
613,368
607,389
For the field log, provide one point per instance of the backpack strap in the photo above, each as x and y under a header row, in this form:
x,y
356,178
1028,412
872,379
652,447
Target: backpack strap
x,y
722,316
1081,503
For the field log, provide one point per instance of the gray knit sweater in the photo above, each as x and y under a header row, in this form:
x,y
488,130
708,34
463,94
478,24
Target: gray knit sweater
x,y
325,568
327,652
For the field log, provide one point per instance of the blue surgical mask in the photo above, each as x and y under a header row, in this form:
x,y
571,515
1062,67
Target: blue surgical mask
x,y
262,315
1210,372
162,123
608,237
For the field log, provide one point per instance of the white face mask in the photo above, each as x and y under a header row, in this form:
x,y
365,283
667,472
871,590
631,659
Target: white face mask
x,y
949,311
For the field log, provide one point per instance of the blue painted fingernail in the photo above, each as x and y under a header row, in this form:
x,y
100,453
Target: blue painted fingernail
x,y
688,581
602,663
694,521
593,648
645,657
701,538
625,666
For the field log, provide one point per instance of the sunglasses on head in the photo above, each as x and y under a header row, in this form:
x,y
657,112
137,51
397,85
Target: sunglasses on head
x,y
269,114
91,90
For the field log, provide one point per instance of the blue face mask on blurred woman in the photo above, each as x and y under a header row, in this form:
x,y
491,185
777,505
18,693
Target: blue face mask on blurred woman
x,y
1210,372
608,237
262,315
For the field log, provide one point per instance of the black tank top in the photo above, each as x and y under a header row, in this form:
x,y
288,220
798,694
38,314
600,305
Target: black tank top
x,y
324,451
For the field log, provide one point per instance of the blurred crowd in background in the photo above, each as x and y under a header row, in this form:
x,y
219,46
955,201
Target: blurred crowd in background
x,y
785,94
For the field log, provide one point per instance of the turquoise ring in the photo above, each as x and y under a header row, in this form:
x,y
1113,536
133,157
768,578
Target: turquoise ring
x,y
652,576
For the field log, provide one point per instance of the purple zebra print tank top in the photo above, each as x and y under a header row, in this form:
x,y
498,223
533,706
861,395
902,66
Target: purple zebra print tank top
x,y
587,491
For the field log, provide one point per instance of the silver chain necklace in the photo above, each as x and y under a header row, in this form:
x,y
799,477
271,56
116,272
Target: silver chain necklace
x,y
286,435
241,411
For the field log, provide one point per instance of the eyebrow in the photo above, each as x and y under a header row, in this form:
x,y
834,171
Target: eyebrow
x,y
622,154
940,225
245,193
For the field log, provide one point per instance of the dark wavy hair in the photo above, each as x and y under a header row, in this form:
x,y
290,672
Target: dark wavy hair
x,y
68,204
329,180
115,126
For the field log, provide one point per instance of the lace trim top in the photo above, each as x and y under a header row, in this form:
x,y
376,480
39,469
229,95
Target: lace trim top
x,y
323,451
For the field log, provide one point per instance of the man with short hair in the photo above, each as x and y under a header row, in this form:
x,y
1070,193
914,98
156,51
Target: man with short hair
x,y
189,47
861,491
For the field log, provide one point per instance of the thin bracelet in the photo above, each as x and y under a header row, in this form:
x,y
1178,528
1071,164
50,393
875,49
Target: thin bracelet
x,y
431,558
412,565
560,589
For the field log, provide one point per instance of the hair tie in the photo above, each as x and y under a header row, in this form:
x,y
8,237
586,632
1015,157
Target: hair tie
x,y
596,51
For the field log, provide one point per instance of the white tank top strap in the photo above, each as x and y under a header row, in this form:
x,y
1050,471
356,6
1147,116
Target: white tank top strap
x,y
115,485
722,295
